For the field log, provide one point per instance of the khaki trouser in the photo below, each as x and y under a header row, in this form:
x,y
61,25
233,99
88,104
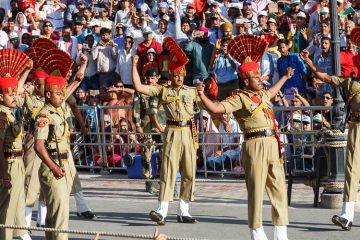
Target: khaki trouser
x,y
146,156
178,149
32,164
57,194
76,187
12,201
263,170
352,169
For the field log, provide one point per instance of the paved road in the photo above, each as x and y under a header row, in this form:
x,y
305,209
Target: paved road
x,y
221,208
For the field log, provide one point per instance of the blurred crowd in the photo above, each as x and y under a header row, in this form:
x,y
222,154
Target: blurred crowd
x,y
110,32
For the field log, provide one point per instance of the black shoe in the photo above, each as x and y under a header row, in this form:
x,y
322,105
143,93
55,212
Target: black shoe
x,y
157,217
88,215
38,225
342,222
186,219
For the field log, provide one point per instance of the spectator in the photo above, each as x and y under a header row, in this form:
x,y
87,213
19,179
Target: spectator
x,y
314,20
234,13
3,35
91,80
48,30
124,63
68,43
327,101
324,62
349,60
55,12
105,53
280,101
149,42
225,70
314,47
323,17
259,5
104,21
214,30
210,135
119,35
21,24
271,35
95,29
299,35
15,43
200,50
162,31
26,39
191,17
123,15
262,18
294,9
78,30
289,59
248,14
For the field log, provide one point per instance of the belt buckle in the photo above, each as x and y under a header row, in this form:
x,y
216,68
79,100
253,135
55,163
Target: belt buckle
x,y
268,132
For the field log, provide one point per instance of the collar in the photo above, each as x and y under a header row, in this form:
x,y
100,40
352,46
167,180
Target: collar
x,y
6,109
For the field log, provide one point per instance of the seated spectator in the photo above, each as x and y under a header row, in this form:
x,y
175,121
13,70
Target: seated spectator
x,y
26,39
327,101
129,142
210,135
262,18
281,116
104,21
119,35
80,96
190,16
123,15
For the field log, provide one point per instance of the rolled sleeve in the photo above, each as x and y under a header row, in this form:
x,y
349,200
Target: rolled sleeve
x,y
154,91
338,81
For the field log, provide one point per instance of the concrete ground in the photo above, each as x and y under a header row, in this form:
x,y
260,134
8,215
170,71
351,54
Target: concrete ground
x,y
122,206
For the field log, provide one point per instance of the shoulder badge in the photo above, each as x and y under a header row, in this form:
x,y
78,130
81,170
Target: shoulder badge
x,y
42,120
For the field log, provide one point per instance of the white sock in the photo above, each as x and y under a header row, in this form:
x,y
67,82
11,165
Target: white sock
x,y
183,209
25,237
280,233
347,211
258,234
163,208
28,214
41,215
81,205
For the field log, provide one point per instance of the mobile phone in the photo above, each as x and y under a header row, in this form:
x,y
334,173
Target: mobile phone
x,y
289,94
196,81
267,31
85,45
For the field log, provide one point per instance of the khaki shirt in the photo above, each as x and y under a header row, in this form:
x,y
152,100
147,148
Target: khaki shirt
x,y
178,105
349,87
58,118
11,131
246,111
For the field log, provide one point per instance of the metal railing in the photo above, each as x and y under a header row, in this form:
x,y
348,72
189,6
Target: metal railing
x,y
107,142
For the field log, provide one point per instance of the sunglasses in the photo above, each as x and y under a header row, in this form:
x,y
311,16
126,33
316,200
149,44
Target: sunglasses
x,y
327,98
47,25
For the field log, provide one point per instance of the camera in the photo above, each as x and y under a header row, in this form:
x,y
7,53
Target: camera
x,y
267,31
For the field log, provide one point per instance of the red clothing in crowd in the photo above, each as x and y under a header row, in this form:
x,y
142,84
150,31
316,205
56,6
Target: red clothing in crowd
x,y
349,64
142,49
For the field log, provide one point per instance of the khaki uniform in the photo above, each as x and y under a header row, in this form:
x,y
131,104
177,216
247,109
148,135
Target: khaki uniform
x,y
12,201
143,107
260,156
33,105
51,126
179,147
352,169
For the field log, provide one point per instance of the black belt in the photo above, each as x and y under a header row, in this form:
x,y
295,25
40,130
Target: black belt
x,y
259,134
354,118
174,123
13,154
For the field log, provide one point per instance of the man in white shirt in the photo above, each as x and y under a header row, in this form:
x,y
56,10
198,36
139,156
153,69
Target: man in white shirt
x,y
124,62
